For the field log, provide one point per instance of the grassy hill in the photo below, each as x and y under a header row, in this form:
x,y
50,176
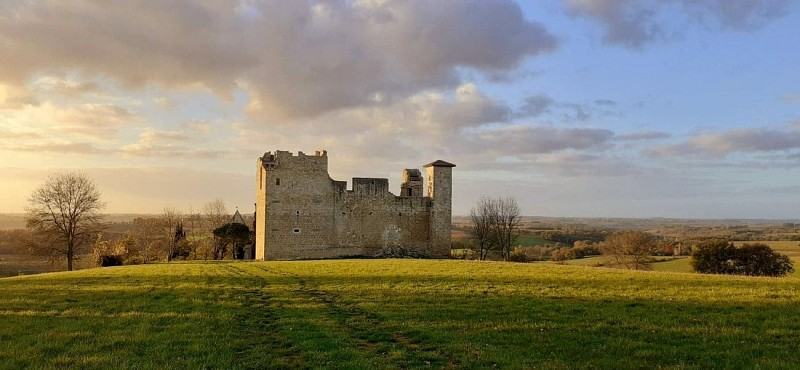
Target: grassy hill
x,y
395,313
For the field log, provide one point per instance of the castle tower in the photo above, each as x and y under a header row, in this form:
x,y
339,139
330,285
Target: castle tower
x,y
289,207
440,190
411,185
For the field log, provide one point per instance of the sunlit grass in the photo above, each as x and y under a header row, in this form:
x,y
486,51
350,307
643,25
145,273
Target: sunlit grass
x,y
395,313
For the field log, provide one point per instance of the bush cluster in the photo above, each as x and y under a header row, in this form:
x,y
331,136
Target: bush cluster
x,y
723,257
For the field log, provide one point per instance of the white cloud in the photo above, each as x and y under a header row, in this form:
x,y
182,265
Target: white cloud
x,y
297,58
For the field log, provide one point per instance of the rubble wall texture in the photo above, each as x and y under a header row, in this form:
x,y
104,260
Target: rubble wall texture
x,y
301,213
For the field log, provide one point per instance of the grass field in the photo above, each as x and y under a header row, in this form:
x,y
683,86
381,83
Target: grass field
x,y
395,313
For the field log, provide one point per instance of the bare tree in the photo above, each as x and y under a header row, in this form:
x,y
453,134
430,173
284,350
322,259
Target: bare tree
x,y
171,219
630,249
495,225
148,235
483,217
63,214
506,227
216,213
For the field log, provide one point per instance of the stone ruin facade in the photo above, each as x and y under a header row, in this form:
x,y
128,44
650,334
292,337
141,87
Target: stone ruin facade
x,y
301,213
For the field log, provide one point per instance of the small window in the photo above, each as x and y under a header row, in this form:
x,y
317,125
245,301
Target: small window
x,y
296,231
277,181
408,191
297,213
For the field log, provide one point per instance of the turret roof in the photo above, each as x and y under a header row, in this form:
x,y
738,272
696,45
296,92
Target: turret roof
x,y
439,163
237,218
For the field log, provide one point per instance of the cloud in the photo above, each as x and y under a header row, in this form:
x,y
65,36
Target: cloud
x,y
518,139
168,144
151,136
15,97
14,136
68,86
635,23
296,58
536,105
605,102
643,135
58,147
541,104
69,122
734,141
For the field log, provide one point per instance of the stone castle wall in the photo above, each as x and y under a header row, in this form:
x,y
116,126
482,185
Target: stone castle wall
x,y
302,213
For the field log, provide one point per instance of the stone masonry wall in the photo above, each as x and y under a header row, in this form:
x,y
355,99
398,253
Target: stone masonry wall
x,y
302,213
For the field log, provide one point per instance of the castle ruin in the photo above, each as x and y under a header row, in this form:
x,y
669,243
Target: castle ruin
x,y
302,213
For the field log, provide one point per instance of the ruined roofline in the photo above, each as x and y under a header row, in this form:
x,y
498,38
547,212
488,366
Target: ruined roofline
x,y
317,153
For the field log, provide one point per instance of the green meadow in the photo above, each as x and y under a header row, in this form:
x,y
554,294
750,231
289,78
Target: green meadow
x,y
395,314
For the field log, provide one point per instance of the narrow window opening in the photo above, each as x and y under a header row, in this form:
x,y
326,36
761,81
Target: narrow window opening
x,y
296,231
277,181
408,192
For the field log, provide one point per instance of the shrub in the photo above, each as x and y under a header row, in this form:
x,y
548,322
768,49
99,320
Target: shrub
x,y
560,254
630,249
584,248
518,254
463,254
110,260
722,257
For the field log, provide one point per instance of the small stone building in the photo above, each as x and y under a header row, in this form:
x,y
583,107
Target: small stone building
x,y
302,213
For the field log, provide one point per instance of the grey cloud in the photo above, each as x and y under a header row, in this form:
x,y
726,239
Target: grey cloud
x,y
643,135
297,58
634,23
536,105
734,141
510,140
470,108
605,102
578,114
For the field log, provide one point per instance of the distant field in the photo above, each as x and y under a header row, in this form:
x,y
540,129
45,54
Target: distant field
x,y
789,248
14,265
525,240
10,221
395,314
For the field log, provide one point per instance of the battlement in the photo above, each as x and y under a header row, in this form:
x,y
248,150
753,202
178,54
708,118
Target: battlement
x,y
283,158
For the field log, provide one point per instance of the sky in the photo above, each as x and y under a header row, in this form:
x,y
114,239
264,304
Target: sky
x,y
576,108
